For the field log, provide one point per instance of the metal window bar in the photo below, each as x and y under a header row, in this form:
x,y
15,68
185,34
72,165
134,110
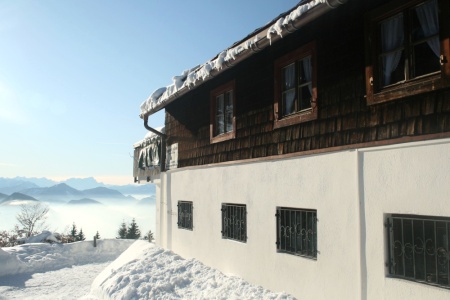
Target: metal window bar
x,y
185,215
420,251
234,222
297,231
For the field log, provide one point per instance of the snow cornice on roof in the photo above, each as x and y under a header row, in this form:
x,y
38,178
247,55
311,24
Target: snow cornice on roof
x,y
285,24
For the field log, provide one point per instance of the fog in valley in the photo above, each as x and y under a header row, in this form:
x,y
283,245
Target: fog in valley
x,y
104,218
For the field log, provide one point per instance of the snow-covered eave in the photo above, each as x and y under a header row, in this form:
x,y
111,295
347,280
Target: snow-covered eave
x,y
149,137
286,24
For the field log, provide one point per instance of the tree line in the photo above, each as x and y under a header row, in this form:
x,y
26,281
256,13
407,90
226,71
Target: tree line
x,y
32,221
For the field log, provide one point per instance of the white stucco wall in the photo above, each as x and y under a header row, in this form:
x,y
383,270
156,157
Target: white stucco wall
x,y
351,191
405,179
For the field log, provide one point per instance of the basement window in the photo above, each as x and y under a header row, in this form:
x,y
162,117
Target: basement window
x,y
296,87
419,248
297,231
408,48
185,215
234,222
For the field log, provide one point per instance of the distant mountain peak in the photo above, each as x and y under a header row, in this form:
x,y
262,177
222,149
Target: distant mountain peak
x,y
85,201
18,196
63,187
83,183
62,184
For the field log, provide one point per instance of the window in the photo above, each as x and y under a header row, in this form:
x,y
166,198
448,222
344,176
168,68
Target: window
x,y
295,87
223,123
408,49
185,220
234,222
297,231
419,248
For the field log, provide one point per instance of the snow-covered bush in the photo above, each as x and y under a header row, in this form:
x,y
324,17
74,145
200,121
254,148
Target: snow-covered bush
x,y
13,237
7,239
43,237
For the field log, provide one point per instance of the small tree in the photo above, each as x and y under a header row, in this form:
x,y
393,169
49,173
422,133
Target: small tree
x,y
80,236
73,234
32,217
133,231
122,231
97,235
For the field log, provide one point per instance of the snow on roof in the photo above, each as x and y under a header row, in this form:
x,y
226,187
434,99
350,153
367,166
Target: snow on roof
x,y
149,137
194,77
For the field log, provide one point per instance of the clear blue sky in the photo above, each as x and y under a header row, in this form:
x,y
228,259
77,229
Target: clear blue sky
x,y
73,75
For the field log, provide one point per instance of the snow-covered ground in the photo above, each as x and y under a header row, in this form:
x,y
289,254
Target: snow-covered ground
x,y
115,269
65,283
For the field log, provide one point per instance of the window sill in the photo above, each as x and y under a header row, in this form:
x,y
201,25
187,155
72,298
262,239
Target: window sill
x,y
223,137
410,88
300,117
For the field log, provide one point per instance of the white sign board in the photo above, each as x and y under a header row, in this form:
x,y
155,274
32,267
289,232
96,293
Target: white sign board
x,y
172,157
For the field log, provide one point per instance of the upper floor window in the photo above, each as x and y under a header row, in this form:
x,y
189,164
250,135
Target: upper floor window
x,y
223,123
407,50
185,216
419,248
296,87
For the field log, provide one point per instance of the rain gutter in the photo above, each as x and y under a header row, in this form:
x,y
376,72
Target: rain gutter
x,y
162,157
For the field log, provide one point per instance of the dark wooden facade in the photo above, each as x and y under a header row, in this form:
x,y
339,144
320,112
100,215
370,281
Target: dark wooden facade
x,y
345,120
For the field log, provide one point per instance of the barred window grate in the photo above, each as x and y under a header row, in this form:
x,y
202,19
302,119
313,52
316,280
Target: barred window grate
x,y
234,222
419,249
297,231
185,216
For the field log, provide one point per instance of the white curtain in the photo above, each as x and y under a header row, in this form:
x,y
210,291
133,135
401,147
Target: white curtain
x,y
307,69
392,37
428,18
289,89
229,111
220,122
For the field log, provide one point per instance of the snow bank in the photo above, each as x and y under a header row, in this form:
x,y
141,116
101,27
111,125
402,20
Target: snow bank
x,y
140,270
10,264
42,257
145,271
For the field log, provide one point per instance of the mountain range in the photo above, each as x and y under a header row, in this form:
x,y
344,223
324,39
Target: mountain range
x,y
17,184
20,188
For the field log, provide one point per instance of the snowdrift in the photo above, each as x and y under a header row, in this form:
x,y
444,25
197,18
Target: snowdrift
x,y
139,270
145,271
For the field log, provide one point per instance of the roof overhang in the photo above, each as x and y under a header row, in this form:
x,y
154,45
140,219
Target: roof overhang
x,y
287,23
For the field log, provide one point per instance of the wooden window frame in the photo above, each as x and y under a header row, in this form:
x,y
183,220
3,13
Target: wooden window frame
x,y
300,116
212,127
426,83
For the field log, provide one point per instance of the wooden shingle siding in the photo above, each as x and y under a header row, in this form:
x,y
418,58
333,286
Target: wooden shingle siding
x,y
344,118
